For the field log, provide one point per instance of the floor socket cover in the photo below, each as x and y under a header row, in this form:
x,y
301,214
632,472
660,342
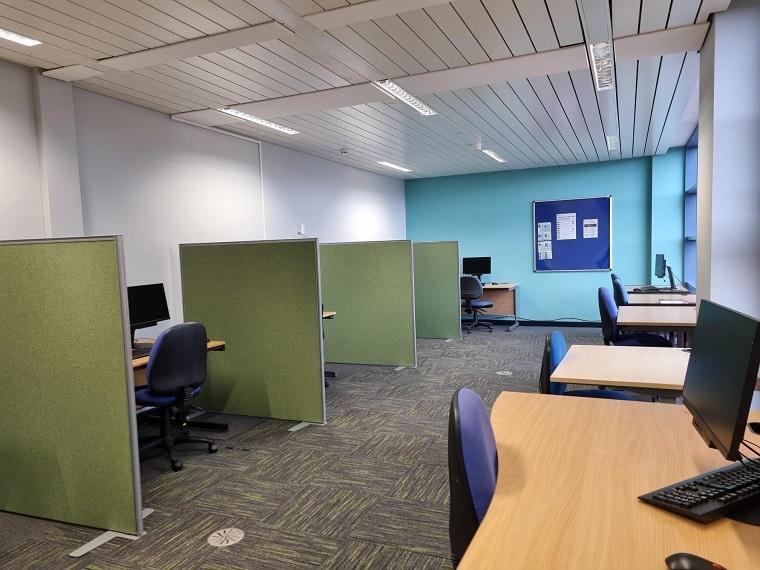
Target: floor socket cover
x,y
226,537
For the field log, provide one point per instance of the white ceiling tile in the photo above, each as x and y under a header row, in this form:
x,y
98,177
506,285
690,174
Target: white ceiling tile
x,y
567,23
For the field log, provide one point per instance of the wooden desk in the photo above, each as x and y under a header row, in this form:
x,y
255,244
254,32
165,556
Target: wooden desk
x,y
648,368
661,299
140,364
504,299
329,314
680,290
677,318
570,470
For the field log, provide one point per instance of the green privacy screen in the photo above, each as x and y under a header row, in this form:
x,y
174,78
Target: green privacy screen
x,y
436,289
262,299
371,286
66,435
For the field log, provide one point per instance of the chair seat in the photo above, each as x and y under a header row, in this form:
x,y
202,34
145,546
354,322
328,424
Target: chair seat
x,y
148,398
598,393
642,339
478,304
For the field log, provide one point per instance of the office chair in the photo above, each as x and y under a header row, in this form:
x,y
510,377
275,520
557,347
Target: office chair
x,y
473,466
620,292
470,290
555,349
614,276
608,312
176,370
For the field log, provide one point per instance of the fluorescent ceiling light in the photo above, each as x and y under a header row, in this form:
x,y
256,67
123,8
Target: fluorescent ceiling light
x,y
394,166
19,39
613,144
387,86
262,122
601,64
493,155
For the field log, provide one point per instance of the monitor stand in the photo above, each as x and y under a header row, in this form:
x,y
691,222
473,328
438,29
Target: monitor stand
x,y
748,515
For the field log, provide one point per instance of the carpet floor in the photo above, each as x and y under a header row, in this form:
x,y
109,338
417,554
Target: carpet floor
x,y
367,490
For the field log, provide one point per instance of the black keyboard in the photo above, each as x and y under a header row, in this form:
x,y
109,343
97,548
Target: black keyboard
x,y
711,495
141,351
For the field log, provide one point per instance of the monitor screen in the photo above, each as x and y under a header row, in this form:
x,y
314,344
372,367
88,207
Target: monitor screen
x,y
476,265
659,265
721,375
147,305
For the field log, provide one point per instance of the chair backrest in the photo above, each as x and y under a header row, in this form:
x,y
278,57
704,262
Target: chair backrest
x,y
470,287
473,467
178,359
621,294
545,385
608,312
614,276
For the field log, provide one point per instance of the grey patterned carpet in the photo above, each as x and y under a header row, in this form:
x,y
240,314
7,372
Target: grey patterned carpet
x,y
367,490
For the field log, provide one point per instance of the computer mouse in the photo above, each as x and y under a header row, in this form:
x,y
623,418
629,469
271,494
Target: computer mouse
x,y
686,561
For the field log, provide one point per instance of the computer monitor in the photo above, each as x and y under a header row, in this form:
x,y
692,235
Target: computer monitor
x,y
147,306
478,266
721,376
659,265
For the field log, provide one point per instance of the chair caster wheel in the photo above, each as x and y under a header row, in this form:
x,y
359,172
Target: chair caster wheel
x,y
176,465
212,448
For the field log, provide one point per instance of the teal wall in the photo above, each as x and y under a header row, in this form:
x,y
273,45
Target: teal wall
x,y
490,214
668,209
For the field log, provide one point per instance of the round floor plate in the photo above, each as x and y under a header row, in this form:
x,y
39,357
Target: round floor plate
x,y
226,537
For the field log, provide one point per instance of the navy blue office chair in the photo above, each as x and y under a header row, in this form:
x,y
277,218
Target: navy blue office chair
x,y
555,349
176,370
614,276
471,290
473,466
620,292
608,312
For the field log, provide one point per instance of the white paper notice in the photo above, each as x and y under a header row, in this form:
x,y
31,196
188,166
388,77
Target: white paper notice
x,y
591,228
545,249
544,231
566,226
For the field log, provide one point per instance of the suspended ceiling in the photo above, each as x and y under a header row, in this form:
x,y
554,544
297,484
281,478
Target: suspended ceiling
x,y
511,76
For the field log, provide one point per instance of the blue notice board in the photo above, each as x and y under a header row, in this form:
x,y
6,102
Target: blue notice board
x,y
572,235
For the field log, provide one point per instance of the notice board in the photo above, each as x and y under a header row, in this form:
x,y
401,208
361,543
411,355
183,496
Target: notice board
x,y
572,235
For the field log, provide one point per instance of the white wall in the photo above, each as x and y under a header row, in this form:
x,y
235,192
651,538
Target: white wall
x,y
160,183
21,214
335,202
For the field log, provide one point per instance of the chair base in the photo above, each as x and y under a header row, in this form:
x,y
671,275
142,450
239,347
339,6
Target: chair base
x,y
167,442
476,322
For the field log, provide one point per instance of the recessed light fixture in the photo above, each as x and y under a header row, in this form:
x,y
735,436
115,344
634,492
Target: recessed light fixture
x,y
613,144
394,166
19,39
493,155
262,122
601,64
387,86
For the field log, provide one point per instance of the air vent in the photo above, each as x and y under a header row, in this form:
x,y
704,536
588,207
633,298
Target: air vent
x,y
613,144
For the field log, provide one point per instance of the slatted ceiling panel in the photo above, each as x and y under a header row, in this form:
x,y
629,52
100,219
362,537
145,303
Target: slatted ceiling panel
x,y
683,12
243,65
525,92
323,58
654,15
646,84
625,17
357,44
257,90
544,90
449,22
292,61
687,83
129,98
508,96
538,23
243,92
584,87
59,18
44,52
243,10
303,7
510,26
148,85
149,99
423,26
176,73
625,86
292,80
330,4
150,14
568,98
397,29
566,21
478,21
214,100
522,136
39,32
186,15
383,43
710,6
670,69
25,58
215,13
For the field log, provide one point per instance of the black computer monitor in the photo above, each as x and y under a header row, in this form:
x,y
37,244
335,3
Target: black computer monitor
x,y
659,265
721,376
147,306
476,266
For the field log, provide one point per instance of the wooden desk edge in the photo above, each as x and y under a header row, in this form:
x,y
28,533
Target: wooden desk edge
x,y
211,346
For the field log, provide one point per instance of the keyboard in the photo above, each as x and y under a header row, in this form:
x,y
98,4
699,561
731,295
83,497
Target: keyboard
x,y
711,495
649,289
141,351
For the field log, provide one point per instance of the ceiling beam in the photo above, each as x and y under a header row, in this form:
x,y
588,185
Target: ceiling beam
x,y
664,42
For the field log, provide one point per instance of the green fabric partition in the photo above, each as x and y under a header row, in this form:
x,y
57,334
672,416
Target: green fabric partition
x,y
371,286
67,435
436,289
263,300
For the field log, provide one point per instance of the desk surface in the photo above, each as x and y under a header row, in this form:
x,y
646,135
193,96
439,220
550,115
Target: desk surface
x,y
660,315
570,470
500,285
661,299
329,314
652,368
212,345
